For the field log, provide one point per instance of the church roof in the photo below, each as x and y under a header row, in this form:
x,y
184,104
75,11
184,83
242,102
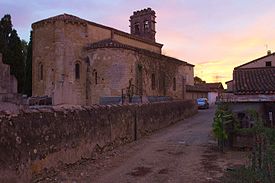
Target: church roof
x,y
63,17
74,19
109,43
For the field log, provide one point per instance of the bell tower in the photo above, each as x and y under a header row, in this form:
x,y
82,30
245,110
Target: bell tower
x,y
142,24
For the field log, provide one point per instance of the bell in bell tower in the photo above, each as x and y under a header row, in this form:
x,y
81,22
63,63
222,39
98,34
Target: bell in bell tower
x,y
142,24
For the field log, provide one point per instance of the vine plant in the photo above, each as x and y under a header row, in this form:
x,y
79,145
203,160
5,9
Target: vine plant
x,y
223,124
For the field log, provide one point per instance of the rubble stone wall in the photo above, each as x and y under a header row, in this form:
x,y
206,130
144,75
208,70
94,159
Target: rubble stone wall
x,y
39,139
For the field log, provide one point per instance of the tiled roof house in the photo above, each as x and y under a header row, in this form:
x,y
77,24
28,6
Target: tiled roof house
x,y
255,77
253,88
254,81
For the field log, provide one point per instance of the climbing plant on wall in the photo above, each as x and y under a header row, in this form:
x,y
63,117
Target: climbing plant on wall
x,y
223,124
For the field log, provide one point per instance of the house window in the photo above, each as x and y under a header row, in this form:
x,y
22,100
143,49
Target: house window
x,y
146,25
137,29
40,72
77,71
153,79
174,84
268,64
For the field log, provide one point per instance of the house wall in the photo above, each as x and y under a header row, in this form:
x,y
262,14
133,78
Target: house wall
x,y
240,107
270,113
242,112
212,96
261,62
229,86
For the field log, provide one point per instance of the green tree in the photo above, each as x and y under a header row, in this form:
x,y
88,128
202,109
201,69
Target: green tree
x,y
261,167
28,69
12,50
223,124
5,31
16,59
198,80
24,49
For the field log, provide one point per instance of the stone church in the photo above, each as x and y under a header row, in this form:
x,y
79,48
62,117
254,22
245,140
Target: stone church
x,y
79,62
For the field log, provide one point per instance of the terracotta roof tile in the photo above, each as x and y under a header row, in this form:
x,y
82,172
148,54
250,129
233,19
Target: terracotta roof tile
x,y
109,43
212,86
197,88
254,81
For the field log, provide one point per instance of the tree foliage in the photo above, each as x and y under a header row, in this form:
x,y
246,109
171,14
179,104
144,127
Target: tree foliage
x,y
223,124
261,167
16,59
28,69
12,50
5,30
198,80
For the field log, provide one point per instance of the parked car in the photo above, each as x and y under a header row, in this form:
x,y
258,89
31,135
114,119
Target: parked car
x,y
202,103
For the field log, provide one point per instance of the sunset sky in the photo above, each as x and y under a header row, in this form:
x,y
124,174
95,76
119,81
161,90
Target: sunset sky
x,y
214,35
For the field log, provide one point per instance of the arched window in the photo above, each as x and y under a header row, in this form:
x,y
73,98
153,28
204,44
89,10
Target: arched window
x,y
95,76
40,72
77,71
137,28
146,26
174,84
153,80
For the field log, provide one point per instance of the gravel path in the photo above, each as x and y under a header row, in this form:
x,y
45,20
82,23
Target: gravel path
x,y
184,152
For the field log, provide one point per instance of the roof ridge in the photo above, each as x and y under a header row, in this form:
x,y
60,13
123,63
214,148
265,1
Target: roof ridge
x,y
114,43
76,18
256,68
238,67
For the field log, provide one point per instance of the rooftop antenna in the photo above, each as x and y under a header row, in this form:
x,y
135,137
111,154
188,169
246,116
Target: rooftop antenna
x,y
268,51
266,47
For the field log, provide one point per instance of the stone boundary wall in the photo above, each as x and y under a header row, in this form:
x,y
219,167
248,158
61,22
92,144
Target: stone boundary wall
x,y
37,139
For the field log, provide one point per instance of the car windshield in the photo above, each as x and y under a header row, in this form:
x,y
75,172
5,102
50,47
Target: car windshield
x,y
200,100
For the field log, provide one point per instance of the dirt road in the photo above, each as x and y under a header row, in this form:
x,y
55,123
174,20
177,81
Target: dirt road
x,y
184,152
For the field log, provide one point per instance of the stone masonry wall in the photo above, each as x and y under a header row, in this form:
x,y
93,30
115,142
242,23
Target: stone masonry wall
x,y
58,44
115,67
38,139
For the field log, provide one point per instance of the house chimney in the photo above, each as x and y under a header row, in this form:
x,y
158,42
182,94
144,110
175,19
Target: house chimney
x,y
268,52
